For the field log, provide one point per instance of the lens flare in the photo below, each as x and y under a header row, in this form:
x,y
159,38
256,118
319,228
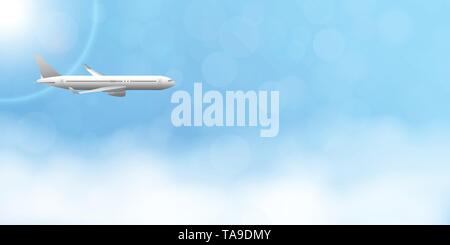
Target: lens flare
x,y
14,16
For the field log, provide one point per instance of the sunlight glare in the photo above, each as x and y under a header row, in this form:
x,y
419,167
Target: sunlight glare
x,y
13,17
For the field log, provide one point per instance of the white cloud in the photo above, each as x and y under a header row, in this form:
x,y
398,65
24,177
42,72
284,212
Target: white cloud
x,y
132,185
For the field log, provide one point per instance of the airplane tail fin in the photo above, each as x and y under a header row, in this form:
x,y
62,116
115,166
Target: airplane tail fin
x,y
45,69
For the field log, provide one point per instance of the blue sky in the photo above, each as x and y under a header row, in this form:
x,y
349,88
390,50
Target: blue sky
x,y
363,117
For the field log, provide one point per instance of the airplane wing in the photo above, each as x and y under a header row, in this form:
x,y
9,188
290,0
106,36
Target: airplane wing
x,y
91,71
112,90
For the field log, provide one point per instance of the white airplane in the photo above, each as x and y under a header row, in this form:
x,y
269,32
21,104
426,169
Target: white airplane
x,y
97,82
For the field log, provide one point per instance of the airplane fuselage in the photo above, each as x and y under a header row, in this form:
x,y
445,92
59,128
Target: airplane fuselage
x,y
95,82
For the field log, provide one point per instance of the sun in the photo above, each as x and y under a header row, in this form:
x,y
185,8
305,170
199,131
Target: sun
x,y
13,16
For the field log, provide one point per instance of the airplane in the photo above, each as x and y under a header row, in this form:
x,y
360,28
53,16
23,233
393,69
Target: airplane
x,y
97,82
